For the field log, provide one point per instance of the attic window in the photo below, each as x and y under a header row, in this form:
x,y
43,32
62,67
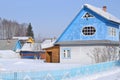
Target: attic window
x,y
112,31
90,30
87,15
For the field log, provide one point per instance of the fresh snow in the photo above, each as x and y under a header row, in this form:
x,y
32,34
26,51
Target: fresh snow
x,y
113,74
39,65
10,61
34,65
8,54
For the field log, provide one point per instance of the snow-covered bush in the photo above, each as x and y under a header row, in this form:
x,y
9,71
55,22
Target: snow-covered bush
x,y
107,53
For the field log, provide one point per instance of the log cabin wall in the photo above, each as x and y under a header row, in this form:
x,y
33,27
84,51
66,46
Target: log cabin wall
x,y
52,54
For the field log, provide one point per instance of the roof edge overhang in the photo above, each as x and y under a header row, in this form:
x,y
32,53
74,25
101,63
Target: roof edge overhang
x,y
88,42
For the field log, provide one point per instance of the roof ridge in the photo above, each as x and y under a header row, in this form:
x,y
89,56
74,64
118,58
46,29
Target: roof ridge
x,y
104,14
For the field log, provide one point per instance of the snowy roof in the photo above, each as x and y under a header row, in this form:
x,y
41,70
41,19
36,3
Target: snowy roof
x,y
48,43
31,47
102,13
21,38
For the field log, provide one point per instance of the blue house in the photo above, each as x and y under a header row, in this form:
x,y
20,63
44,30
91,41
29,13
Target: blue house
x,y
92,28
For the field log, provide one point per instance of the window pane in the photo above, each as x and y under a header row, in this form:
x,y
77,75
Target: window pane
x,y
111,31
66,53
87,15
88,30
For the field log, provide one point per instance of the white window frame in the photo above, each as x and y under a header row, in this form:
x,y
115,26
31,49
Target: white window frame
x,y
66,53
112,31
87,31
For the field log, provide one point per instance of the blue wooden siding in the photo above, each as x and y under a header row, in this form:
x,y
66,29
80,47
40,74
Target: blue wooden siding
x,y
74,31
17,46
30,54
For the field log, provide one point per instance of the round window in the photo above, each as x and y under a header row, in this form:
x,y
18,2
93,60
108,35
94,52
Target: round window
x,y
88,30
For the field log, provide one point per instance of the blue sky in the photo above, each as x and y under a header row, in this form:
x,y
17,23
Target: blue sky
x,y
50,17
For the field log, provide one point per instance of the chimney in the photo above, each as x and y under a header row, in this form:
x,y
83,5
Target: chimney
x,y
104,8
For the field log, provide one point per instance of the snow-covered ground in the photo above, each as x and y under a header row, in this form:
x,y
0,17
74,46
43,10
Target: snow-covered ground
x,y
113,74
32,65
39,65
8,54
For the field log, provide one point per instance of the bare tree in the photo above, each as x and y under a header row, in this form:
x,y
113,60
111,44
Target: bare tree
x,y
9,28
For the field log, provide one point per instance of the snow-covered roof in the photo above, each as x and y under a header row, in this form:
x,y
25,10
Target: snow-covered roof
x,y
21,38
48,43
31,47
102,13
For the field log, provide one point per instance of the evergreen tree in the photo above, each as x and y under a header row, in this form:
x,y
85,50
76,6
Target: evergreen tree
x,y
29,31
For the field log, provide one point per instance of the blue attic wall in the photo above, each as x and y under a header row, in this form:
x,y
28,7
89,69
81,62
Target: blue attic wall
x,y
74,30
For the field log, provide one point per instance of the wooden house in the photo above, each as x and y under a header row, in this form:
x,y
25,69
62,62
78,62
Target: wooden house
x,y
92,28
52,54
51,51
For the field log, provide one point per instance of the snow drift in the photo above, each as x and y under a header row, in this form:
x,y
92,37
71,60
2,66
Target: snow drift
x,y
8,54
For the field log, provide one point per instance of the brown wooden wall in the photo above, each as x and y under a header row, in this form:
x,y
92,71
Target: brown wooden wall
x,y
42,56
52,54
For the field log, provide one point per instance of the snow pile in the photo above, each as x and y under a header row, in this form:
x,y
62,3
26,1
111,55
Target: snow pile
x,y
48,43
8,54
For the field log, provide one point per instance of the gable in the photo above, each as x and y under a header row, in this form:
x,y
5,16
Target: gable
x,y
18,46
75,30
30,40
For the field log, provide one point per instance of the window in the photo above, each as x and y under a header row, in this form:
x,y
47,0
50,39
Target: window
x,y
87,15
66,53
88,30
111,31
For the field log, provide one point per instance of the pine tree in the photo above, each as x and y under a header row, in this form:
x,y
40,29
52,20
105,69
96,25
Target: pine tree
x,y
29,31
